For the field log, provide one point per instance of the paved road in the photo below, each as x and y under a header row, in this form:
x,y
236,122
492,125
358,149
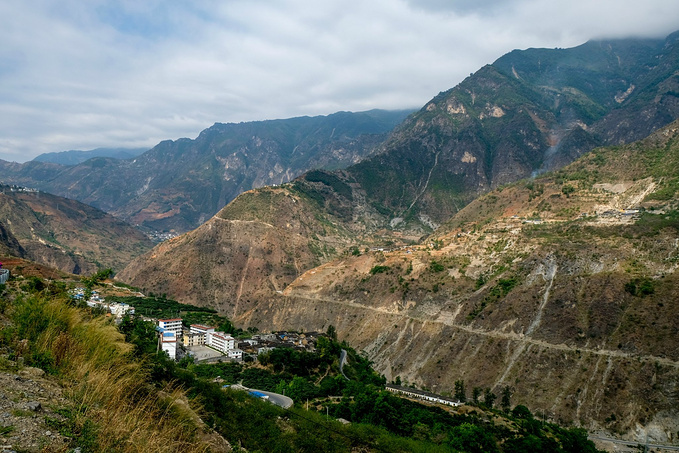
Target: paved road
x,y
634,444
343,358
277,399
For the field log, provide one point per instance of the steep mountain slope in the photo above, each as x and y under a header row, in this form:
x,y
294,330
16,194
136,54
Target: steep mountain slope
x,y
563,288
180,184
529,112
257,245
65,234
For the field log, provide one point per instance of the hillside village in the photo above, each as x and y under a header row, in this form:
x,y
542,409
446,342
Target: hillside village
x,y
204,344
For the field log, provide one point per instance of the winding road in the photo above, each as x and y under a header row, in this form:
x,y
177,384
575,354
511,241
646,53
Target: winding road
x,y
276,398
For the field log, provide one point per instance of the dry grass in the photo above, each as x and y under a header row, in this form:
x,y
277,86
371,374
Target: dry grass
x,y
114,405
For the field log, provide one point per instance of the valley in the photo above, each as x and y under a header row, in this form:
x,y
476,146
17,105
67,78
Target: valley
x,y
519,232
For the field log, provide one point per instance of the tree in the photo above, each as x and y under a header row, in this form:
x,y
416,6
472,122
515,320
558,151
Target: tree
x,y
506,401
331,332
476,394
522,412
460,393
567,190
472,439
489,398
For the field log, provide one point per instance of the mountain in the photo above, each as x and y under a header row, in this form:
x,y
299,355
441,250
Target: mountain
x,y
529,112
560,287
65,234
75,157
180,184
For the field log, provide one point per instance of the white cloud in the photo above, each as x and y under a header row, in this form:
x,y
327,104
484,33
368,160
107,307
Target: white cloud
x,y
80,75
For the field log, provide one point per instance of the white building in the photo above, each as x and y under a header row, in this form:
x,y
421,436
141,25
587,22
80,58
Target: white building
x,y
120,309
168,343
171,325
199,328
236,354
201,331
221,341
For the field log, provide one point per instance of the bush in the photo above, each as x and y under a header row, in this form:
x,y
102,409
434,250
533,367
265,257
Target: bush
x,y
436,267
640,287
379,269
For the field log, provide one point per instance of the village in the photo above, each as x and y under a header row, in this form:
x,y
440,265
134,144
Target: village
x,y
201,343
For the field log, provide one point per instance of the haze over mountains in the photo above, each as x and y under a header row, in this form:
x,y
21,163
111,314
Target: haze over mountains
x,y
75,157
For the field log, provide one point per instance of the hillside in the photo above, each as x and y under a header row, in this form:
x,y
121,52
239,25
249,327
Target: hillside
x,y
254,247
180,184
555,286
529,112
65,234
560,287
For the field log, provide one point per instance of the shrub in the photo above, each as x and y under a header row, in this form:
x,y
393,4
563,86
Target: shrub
x,y
378,269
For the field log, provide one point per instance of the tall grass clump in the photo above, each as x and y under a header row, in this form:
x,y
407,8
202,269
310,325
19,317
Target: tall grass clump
x,y
113,405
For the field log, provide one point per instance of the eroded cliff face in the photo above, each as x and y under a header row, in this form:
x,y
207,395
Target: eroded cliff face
x,y
568,339
563,288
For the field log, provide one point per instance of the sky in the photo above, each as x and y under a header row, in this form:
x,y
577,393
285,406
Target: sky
x,y
86,74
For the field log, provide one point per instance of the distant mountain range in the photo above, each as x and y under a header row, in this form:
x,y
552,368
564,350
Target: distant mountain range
x,y
75,157
180,184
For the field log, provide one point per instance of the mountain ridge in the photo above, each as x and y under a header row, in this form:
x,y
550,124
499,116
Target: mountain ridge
x,y
179,184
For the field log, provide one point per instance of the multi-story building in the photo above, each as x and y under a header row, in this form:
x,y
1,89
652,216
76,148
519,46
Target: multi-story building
x,y
193,339
168,343
236,354
171,325
202,330
221,341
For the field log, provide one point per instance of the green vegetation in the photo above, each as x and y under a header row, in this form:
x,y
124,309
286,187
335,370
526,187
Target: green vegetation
x,y
340,187
378,269
640,287
436,267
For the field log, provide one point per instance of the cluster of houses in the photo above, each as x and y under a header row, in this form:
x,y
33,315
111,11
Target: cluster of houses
x,y
172,334
174,337
117,309
161,236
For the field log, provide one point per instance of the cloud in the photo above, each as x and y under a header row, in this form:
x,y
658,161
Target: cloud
x,y
81,75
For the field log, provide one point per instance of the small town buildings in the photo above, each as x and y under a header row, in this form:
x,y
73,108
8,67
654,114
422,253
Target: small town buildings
x,y
120,309
193,339
201,329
